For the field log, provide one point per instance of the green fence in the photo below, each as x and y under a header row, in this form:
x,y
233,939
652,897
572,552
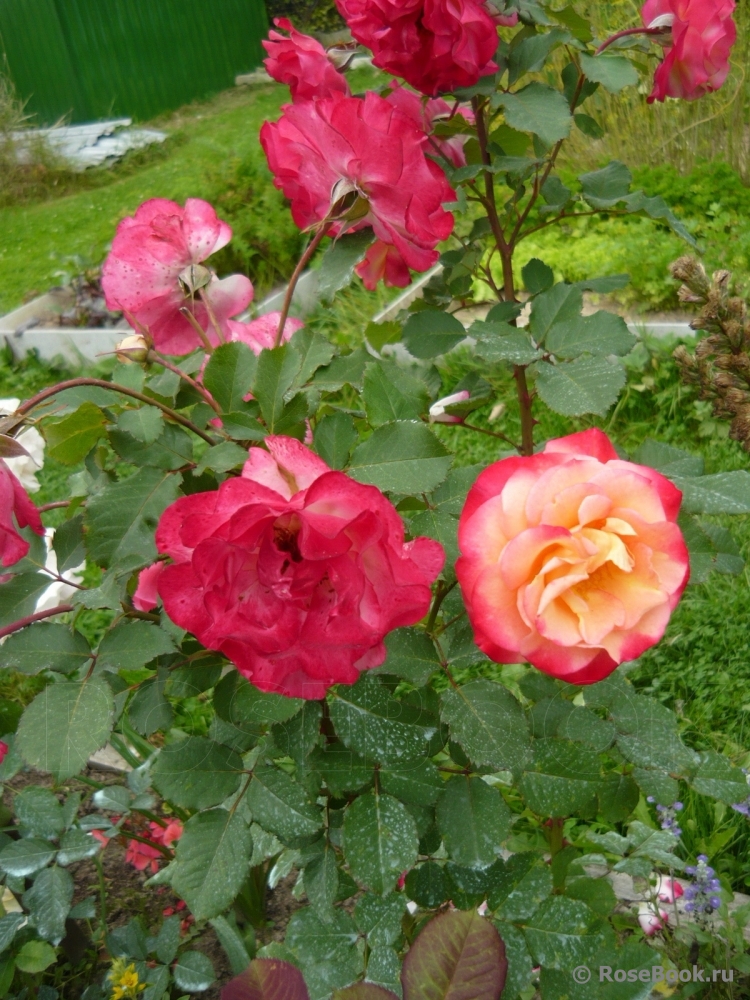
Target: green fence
x,y
92,59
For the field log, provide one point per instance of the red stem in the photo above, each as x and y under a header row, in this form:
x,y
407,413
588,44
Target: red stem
x,y
38,617
631,31
53,506
304,260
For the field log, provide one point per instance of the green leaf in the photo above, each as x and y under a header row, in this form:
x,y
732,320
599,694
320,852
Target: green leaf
x,y
653,781
379,918
601,333
587,385
489,723
277,370
411,655
297,737
279,804
718,778
614,73
35,956
193,971
596,893
558,934
221,458
537,276
372,723
211,861
346,370
149,709
322,882
195,677
391,393
722,493
579,28
418,782
327,953
171,451
668,460
9,925
427,885
589,126
229,375
22,858
460,955
431,332
474,821
560,304
648,736
232,943
313,351
333,439
537,109
68,544
45,646
241,703
131,645
519,886
122,518
242,426
380,334
145,424
18,597
402,457
520,966
444,529
502,342
168,939
64,725
341,769
71,439
567,779
38,810
48,901
340,259
606,187
380,841
196,773
76,845
530,54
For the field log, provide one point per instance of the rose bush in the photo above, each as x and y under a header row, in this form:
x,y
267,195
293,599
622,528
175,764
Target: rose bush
x,y
391,659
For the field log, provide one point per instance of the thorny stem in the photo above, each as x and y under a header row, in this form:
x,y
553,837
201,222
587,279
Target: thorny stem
x,y
440,595
46,394
662,30
38,617
555,835
303,262
527,417
489,187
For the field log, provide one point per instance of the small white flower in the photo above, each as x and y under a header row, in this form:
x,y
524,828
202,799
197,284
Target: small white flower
x,y
437,410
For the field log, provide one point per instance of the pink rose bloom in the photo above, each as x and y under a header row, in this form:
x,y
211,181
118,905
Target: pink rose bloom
x,y
98,835
166,835
16,511
294,572
697,61
571,559
668,890
435,45
327,149
651,922
425,114
301,62
260,333
437,410
383,262
156,248
4,748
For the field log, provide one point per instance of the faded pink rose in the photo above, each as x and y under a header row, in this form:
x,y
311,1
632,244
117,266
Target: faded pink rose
x,y
383,262
301,62
435,45
571,559
294,572
651,922
4,748
697,60
17,510
668,890
426,114
260,333
324,151
149,271
142,856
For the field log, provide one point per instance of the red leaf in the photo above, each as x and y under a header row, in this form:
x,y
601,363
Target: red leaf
x,y
267,979
364,991
458,956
